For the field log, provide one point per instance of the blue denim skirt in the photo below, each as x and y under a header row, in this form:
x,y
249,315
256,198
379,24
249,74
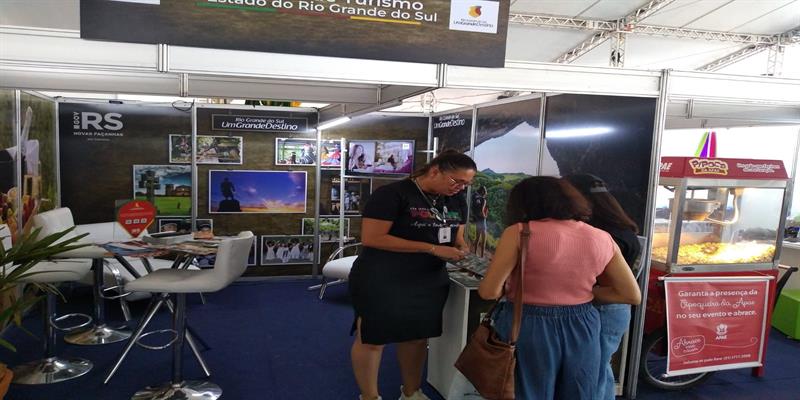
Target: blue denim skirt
x,y
558,351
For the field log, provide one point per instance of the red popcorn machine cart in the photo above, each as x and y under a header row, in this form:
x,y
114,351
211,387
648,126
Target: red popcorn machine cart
x,y
716,244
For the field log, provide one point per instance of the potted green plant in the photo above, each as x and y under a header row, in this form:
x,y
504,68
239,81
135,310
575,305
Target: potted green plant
x,y
16,263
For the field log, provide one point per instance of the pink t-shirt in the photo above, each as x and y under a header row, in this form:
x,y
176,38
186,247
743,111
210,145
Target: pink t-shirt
x,y
563,261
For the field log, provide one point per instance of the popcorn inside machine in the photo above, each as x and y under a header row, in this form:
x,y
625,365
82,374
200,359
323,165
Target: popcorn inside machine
x,y
715,215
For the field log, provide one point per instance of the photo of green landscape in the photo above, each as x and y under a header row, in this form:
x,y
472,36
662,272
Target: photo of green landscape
x,y
506,151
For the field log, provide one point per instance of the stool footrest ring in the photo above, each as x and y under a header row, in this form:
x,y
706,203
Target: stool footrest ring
x,y
158,331
54,322
118,289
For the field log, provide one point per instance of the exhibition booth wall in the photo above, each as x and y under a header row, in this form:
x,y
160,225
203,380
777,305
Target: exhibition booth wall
x,y
28,163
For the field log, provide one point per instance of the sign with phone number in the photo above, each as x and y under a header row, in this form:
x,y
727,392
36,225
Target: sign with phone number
x,y
715,323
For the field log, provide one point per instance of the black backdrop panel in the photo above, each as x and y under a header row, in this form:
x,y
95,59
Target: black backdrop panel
x,y
431,31
608,136
99,143
453,131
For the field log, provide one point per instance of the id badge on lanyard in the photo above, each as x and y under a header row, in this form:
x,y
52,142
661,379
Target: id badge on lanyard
x,y
444,234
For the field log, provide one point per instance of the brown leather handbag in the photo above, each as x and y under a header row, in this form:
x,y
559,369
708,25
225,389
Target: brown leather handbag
x,y
487,361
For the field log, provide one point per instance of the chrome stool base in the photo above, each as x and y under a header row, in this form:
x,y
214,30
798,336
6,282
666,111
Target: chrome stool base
x,y
186,390
50,370
99,334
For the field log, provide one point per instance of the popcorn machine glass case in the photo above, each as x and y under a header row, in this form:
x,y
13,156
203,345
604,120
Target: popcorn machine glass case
x,y
730,214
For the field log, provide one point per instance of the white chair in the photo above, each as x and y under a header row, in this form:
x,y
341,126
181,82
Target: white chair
x,y
231,262
337,269
58,220
52,369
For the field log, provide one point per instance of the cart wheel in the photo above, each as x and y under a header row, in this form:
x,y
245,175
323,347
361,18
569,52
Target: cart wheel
x,y
653,365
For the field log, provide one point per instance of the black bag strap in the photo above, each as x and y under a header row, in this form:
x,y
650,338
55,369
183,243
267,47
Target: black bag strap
x,y
520,271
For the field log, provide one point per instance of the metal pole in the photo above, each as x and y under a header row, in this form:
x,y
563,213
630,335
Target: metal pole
x,y
18,178
193,141
179,325
430,139
542,141
341,197
57,142
317,195
631,375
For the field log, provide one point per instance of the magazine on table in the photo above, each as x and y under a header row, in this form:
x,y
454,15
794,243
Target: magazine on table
x,y
472,263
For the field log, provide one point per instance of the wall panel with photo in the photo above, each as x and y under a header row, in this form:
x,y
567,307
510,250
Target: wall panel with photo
x,y
506,151
296,151
287,249
276,192
380,157
168,187
273,210
184,225
608,136
328,228
210,149
356,194
129,134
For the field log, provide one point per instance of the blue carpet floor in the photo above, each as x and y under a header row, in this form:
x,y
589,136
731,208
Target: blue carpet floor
x,y
275,340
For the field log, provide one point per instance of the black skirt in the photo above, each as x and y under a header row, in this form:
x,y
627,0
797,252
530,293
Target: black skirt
x,y
398,296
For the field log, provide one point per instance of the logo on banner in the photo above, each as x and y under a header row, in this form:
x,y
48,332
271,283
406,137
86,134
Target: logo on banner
x,y
97,126
722,332
474,15
702,166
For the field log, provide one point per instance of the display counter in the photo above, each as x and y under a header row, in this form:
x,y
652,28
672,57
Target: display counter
x,y
462,314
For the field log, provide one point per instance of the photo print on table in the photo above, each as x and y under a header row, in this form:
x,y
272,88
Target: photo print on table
x,y
380,157
203,227
296,151
168,187
328,228
287,249
210,149
209,260
272,192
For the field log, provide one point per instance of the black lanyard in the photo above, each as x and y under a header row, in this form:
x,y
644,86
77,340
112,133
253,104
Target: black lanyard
x,y
432,204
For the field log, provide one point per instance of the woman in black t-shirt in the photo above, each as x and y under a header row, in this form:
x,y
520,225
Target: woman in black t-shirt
x,y
399,283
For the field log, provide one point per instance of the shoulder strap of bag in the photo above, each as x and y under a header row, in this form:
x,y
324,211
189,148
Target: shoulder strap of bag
x,y
520,272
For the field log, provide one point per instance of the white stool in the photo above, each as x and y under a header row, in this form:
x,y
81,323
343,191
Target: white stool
x,y
52,369
230,263
58,220
336,270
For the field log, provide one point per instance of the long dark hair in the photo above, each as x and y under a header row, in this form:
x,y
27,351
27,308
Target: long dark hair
x,y
447,160
541,197
606,210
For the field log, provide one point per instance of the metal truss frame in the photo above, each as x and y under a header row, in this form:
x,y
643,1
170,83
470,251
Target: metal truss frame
x,y
624,24
619,29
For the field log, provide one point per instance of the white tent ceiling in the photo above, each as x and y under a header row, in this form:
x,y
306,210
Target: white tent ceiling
x,y
545,44
763,17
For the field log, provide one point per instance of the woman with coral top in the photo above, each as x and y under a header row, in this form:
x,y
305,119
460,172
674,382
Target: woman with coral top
x,y
569,264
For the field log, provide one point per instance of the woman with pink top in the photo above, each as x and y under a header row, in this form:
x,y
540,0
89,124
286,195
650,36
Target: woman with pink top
x,y
569,264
